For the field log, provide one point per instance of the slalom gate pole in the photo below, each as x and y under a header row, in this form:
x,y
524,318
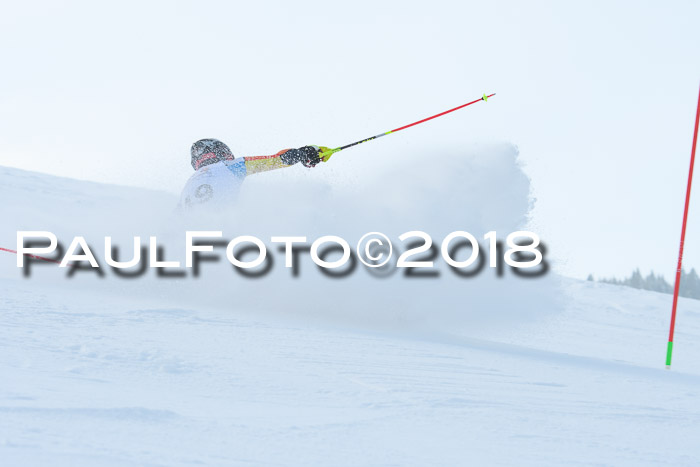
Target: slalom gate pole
x,y
326,155
32,256
676,287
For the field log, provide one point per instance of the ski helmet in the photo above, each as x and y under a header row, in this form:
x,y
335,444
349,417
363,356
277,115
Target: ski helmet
x,y
209,151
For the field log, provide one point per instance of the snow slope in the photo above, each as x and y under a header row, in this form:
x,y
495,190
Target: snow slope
x,y
490,372
89,381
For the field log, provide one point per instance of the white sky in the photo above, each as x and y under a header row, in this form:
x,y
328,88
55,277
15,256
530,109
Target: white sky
x,y
600,98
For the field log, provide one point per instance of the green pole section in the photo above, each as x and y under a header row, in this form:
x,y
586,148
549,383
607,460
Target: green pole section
x,y
669,352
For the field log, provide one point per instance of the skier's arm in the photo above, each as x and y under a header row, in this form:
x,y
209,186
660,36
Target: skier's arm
x,y
308,156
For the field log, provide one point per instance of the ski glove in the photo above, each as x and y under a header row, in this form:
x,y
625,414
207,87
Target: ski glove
x,y
307,155
311,157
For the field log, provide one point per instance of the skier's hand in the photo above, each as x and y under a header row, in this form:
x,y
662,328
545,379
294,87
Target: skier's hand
x,y
311,156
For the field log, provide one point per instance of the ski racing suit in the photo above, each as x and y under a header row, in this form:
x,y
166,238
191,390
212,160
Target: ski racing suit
x,y
219,183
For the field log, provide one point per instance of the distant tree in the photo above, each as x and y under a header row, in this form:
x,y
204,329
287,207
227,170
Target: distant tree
x,y
590,277
690,283
636,280
650,282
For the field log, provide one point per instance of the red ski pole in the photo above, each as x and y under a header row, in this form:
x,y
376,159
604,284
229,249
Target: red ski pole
x,y
327,155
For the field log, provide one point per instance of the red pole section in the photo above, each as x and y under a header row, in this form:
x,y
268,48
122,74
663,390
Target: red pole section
x,y
676,287
327,155
31,256
442,113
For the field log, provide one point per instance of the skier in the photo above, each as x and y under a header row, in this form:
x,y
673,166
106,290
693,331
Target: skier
x,y
218,174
